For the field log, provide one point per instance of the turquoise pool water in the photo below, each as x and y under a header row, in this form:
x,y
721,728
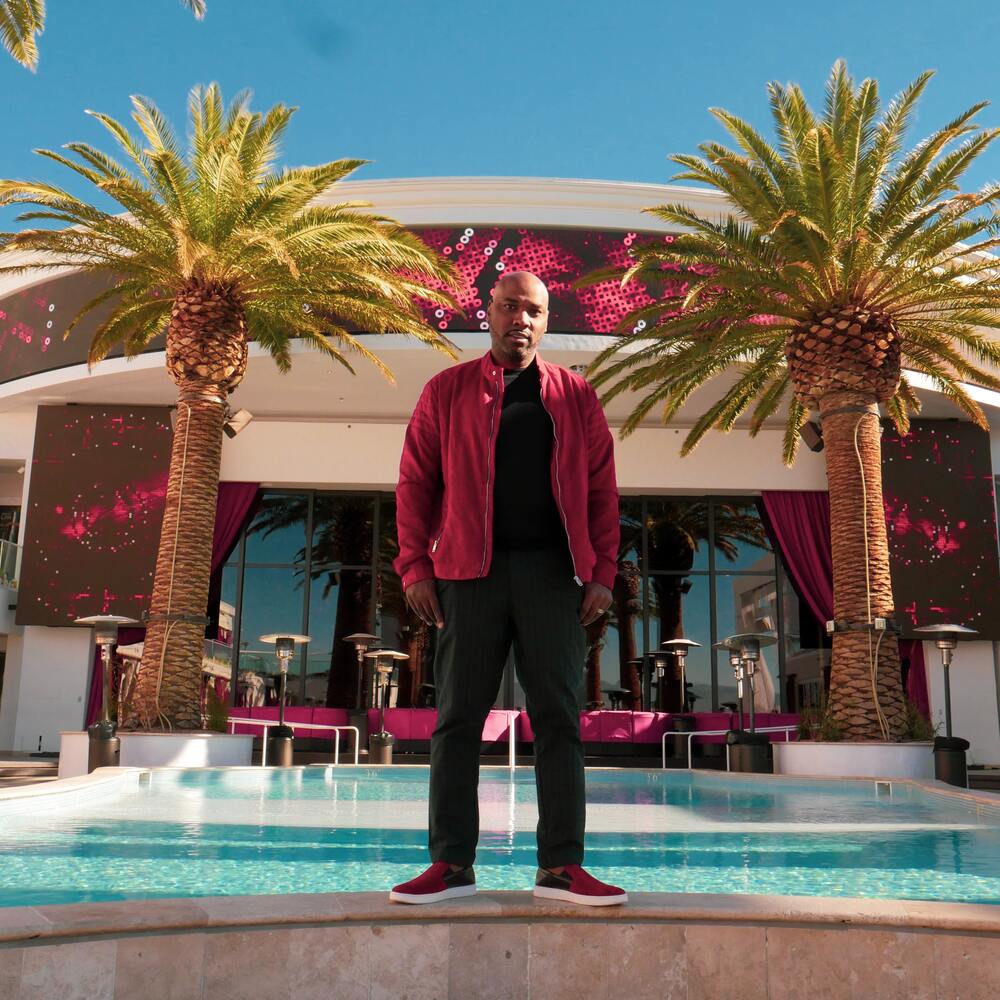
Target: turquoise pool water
x,y
231,832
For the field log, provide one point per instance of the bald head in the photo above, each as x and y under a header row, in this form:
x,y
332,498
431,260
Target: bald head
x,y
519,316
519,283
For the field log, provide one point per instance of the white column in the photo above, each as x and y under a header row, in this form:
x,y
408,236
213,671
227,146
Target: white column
x,y
53,685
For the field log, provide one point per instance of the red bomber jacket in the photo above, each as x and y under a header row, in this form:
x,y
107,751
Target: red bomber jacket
x,y
444,500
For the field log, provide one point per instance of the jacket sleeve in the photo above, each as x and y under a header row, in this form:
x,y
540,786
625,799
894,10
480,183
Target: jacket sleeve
x,y
418,494
602,496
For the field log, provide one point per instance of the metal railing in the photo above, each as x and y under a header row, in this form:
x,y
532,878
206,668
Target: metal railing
x,y
716,732
10,564
266,724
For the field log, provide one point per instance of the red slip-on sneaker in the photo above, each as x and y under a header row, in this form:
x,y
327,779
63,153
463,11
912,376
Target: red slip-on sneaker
x,y
437,883
575,885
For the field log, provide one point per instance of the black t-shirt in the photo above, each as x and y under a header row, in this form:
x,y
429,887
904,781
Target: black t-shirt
x,y
525,514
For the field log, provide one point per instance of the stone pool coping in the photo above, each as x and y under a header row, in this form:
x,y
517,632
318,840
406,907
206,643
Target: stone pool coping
x,y
81,921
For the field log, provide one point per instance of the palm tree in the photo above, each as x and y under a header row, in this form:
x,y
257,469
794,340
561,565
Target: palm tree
x,y
842,259
22,20
218,246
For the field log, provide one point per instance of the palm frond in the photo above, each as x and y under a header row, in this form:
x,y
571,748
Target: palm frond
x,y
834,212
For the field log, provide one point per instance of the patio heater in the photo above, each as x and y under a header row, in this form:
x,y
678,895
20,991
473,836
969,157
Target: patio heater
x,y
103,743
380,743
680,722
680,649
280,738
949,750
659,661
749,750
358,716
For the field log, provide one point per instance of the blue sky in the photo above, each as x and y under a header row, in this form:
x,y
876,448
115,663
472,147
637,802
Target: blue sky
x,y
460,87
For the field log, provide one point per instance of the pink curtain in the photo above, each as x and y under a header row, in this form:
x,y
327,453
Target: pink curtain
x,y
235,504
800,524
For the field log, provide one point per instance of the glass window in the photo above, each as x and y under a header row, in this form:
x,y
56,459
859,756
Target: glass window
x,y
679,607
339,605
741,542
342,530
667,575
278,531
748,603
630,526
677,535
272,602
807,654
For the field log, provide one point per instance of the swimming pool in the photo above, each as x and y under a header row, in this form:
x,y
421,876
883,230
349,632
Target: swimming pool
x,y
260,831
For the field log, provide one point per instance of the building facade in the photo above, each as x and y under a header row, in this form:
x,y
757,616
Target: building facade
x,y
698,556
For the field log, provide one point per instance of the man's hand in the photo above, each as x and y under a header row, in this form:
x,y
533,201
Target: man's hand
x,y
596,600
423,600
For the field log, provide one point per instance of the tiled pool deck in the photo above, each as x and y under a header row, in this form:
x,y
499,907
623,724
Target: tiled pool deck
x,y
498,945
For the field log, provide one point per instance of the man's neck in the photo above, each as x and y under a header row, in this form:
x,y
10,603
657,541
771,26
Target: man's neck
x,y
511,366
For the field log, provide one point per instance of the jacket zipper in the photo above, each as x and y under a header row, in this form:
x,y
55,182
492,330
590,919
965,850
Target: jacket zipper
x,y
436,542
559,503
489,476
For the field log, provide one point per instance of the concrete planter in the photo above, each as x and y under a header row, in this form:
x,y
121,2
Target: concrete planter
x,y
185,749
855,760
74,748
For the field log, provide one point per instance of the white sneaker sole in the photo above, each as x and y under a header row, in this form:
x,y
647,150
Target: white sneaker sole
x,y
543,892
432,897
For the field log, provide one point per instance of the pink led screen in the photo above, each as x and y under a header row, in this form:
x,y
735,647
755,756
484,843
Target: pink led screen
x,y
95,508
941,516
33,321
559,257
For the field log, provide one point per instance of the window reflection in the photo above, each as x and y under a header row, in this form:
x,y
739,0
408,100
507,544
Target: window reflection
x,y
339,605
748,603
677,535
342,530
675,553
400,628
272,602
807,654
278,531
741,542
612,681
679,607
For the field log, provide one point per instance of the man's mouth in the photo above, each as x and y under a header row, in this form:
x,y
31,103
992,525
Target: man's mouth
x,y
518,338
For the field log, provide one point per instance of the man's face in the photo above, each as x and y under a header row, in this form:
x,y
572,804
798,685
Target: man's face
x,y
519,316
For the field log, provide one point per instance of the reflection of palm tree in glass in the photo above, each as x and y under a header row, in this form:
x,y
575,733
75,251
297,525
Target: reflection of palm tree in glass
x,y
346,531
626,606
415,634
676,531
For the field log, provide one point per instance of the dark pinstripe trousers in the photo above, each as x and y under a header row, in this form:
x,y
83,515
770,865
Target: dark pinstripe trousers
x,y
529,599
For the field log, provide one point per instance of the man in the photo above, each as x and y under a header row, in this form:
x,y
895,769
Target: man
x,y
507,512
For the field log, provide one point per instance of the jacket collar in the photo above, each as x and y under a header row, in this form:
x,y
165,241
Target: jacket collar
x,y
491,368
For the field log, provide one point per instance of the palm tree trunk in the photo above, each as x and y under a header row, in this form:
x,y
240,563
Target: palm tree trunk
x,y
596,632
629,606
856,509
169,683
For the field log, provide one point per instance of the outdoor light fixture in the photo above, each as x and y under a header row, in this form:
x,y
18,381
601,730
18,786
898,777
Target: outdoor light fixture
x,y
812,435
103,744
949,751
380,743
235,422
280,740
362,642
680,648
